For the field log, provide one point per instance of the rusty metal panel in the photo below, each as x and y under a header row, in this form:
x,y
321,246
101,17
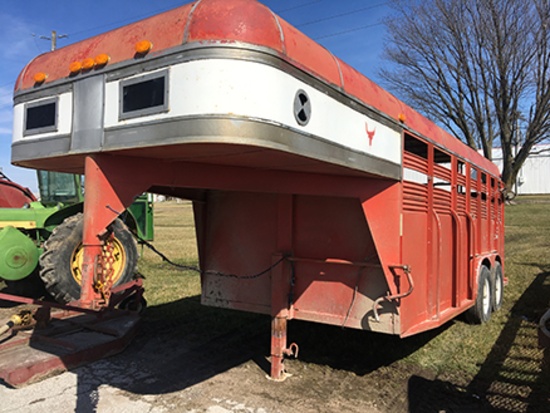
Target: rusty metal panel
x,y
240,237
330,227
305,53
334,266
337,271
462,257
445,272
382,208
342,294
415,254
235,20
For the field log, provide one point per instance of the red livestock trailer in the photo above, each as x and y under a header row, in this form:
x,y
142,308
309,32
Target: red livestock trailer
x,y
317,195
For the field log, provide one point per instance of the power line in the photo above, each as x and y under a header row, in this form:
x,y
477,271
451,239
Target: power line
x,y
137,17
335,16
356,29
128,19
298,6
36,43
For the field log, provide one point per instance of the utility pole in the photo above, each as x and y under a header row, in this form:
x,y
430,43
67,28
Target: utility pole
x,y
53,39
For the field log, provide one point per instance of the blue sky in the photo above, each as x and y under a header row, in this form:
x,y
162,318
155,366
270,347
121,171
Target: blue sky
x,y
351,29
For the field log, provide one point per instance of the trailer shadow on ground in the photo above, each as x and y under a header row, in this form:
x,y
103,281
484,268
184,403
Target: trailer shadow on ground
x,y
182,344
357,351
515,376
171,353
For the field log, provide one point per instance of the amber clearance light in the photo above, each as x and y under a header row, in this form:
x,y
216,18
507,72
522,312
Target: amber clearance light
x,y
143,46
88,64
40,77
102,59
75,67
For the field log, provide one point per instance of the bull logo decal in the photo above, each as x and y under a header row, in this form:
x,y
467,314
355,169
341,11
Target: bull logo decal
x,y
370,133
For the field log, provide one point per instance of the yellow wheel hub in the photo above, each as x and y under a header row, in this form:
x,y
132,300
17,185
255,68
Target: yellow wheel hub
x,y
114,258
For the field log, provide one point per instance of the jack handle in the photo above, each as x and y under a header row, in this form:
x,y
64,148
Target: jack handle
x,y
407,270
292,350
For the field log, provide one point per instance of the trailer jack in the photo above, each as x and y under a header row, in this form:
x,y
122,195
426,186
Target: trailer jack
x,y
279,349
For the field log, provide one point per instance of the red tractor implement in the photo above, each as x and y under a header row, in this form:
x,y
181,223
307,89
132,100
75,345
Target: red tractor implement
x,y
13,195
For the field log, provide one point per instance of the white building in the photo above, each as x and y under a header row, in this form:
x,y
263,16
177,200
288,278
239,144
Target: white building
x,y
534,176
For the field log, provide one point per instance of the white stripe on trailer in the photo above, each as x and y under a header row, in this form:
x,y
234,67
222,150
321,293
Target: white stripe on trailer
x,y
257,91
412,175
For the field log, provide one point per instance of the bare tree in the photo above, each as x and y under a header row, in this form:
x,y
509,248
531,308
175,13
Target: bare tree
x,y
480,68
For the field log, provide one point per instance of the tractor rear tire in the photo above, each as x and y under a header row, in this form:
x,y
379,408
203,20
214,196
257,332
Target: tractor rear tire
x,y
60,263
481,311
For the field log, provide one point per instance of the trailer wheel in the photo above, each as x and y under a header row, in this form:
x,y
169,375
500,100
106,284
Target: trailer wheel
x,y
61,262
497,286
481,311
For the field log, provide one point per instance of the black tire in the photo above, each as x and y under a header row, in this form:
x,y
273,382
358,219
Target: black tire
x,y
481,312
497,286
133,303
59,268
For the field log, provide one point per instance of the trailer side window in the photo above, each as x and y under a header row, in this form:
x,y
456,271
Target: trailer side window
x,y
41,117
442,169
442,158
473,178
144,95
460,167
416,146
483,186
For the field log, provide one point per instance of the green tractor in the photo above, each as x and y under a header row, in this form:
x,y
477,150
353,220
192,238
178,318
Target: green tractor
x,y
41,241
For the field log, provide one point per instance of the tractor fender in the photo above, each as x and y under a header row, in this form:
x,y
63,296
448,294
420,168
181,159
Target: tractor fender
x,y
18,254
61,214
64,212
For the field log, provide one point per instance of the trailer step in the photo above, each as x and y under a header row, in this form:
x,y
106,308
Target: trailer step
x,y
69,341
